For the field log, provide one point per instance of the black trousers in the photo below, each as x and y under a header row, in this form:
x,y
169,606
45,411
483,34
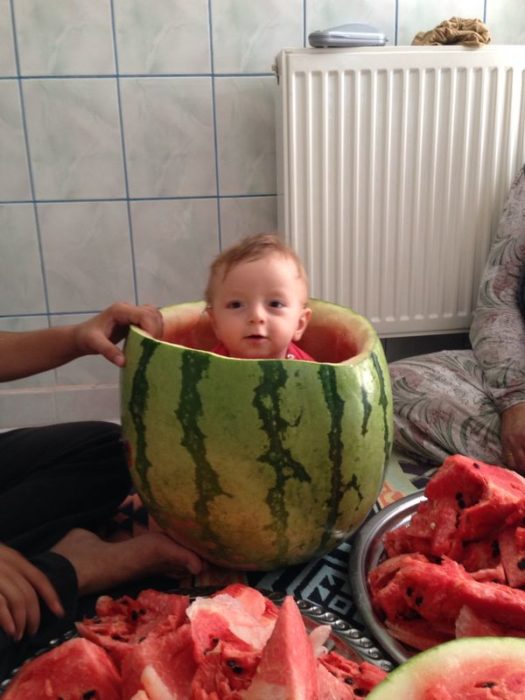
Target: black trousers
x,y
53,479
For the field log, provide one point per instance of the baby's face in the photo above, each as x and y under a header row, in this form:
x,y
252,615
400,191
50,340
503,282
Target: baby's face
x,y
258,309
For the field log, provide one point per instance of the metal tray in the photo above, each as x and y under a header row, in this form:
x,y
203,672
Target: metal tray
x,y
366,553
345,639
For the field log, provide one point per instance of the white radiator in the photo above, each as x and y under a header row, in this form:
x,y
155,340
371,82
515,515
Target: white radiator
x,y
393,167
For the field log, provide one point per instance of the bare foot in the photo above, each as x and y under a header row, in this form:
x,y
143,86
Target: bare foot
x,y
100,565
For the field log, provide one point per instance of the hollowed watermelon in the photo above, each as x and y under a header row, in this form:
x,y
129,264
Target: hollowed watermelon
x,y
257,464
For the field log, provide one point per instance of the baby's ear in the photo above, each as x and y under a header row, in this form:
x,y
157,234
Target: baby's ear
x,y
304,319
208,311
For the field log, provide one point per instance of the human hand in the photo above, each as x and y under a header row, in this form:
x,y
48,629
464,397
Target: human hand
x,y
100,334
21,584
512,432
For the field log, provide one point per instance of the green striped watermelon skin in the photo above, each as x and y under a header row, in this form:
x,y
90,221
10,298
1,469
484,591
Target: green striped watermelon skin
x,y
256,464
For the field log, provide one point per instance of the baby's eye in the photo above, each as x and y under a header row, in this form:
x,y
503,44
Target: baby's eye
x,y
276,304
233,305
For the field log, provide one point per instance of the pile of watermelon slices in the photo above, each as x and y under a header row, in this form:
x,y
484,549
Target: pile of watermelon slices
x,y
234,645
457,569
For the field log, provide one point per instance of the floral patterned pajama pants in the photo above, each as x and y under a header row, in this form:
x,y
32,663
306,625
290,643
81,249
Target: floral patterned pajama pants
x,y
441,407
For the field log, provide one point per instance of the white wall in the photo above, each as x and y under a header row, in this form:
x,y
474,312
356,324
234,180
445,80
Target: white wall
x,y
136,139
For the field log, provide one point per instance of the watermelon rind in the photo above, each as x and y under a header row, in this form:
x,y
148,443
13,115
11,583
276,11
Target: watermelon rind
x,y
257,464
494,667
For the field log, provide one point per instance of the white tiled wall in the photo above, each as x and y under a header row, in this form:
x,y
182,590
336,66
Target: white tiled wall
x,y
137,139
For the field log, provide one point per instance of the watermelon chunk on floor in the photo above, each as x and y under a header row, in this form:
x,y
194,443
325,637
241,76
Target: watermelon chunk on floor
x,y
75,670
479,668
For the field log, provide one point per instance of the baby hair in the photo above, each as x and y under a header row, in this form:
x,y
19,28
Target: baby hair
x,y
250,248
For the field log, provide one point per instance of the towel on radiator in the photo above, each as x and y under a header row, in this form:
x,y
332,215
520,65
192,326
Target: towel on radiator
x,y
470,32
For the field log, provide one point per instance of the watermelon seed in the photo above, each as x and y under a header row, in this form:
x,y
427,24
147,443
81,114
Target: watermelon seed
x,y
495,548
349,680
487,684
134,615
89,694
411,615
360,692
521,564
410,591
418,600
460,500
235,666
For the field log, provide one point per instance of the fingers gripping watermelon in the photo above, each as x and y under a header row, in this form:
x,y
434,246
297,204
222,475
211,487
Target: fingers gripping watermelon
x,y
257,464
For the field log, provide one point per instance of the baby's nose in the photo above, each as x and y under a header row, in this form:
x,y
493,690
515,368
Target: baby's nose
x,y
257,314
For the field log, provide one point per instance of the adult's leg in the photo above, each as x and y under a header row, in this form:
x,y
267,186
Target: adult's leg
x,y
58,477
441,408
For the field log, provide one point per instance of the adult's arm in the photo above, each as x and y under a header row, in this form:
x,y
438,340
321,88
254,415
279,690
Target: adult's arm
x,y
26,353
21,584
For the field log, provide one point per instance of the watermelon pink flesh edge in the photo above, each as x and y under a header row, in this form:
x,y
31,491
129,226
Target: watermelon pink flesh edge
x,y
481,668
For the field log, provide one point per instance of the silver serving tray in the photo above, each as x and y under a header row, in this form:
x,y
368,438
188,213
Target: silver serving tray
x,y
345,639
366,553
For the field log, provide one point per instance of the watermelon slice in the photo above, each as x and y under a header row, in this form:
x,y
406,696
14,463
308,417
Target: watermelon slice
x,y
486,494
423,603
470,624
419,589
234,645
288,668
243,618
512,550
330,687
164,661
75,670
225,673
467,501
479,668
353,680
123,622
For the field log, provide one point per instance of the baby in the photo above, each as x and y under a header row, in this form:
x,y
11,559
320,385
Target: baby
x,y
256,298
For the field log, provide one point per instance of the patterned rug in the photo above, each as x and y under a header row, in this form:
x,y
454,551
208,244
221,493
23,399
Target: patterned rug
x,y
323,581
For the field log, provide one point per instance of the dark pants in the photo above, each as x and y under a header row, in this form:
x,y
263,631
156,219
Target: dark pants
x,y
53,479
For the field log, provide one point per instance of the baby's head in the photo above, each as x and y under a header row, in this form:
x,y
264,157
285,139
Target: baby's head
x,y
257,296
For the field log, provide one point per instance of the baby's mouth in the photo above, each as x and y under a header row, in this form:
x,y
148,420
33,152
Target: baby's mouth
x,y
255,336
